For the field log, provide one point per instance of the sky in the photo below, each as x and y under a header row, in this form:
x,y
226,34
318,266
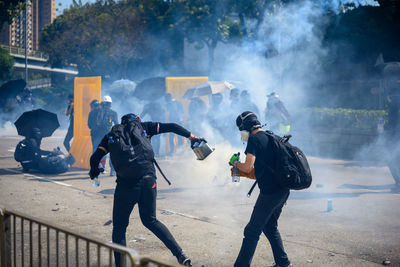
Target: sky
x,y
65,4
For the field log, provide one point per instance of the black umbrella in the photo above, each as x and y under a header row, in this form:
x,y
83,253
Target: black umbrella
x,y
46,121
150,89
11,89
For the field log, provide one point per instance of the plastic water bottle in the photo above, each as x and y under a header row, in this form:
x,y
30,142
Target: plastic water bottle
x,y
96,181
235,175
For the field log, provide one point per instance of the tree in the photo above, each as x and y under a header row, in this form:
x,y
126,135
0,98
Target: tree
x,y
8,10
113,38
6,64
206,23
100,38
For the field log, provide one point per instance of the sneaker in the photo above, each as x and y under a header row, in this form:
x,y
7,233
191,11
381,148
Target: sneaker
x,y
70,159
184,260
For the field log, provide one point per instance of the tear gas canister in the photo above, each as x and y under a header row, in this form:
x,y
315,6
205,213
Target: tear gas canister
x,y
202,149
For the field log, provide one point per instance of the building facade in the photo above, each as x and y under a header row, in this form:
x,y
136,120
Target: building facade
x,y
39,13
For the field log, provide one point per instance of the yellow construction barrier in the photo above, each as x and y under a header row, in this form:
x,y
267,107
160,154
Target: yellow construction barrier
x,y
86,89
177,87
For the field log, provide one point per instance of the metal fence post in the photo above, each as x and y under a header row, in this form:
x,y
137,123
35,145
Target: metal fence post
x,y
5,238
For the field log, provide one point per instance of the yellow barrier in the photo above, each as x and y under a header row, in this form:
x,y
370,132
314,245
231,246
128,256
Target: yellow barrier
x,y
177,87
86,89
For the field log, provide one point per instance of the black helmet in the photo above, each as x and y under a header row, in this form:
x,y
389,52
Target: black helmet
x,y
247,121
129,117
94,103
36,133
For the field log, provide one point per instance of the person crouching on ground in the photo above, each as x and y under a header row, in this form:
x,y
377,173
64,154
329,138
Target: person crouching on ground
x,y
133,159
272,196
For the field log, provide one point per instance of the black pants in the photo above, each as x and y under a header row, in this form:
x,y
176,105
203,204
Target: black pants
x,y
264,219
70,134
144,192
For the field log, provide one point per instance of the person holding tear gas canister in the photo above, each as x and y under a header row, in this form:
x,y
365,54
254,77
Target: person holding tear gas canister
x,y
272,196
133,158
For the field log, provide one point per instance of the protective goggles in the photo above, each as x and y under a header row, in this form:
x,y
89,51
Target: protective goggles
x,y
242,118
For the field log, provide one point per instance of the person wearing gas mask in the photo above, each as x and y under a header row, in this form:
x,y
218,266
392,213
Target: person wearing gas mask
x,y
272,197
133,158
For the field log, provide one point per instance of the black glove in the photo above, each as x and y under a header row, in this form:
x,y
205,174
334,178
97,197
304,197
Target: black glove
x,y
197,140
93,173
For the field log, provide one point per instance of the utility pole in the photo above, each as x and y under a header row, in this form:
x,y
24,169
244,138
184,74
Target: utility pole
x,y
26,41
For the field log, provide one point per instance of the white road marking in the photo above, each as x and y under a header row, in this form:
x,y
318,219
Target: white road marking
x,y
38,177
11,150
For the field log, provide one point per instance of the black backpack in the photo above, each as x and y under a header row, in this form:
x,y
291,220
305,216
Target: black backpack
x,y
21,151
130,150
291,167
53,164
103,120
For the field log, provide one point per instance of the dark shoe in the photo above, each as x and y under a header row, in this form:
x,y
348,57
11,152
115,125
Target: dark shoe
x,y
184,260
70,160
276,265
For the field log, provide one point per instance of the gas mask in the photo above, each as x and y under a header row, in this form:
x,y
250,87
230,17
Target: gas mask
x,y
244,135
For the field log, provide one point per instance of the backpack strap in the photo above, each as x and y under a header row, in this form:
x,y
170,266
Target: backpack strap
x,y
251,189
158,167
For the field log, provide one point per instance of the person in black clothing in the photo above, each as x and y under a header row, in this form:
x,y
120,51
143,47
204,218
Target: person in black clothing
x,y
277,115
70,113
246,103
93,123
28,151
131,190
271,199
392,133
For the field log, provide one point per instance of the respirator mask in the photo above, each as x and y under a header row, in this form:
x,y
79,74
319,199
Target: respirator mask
x,y
244,135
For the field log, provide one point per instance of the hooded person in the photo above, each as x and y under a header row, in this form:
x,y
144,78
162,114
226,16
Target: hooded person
x,y
31,157
28,151
272,197
133,158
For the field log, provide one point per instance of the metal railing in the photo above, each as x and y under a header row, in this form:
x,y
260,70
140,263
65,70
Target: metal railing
x,y
41,83
28,241
20,51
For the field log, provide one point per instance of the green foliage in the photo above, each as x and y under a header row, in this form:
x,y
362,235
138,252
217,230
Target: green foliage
x,y
358,36
339,118
9,9
6,64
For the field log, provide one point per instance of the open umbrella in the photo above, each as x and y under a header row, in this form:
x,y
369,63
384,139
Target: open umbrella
x,y
208,88
150,89
46,121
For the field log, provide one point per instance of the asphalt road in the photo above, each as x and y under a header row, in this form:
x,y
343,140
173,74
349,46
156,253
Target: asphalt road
x,y
207,213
